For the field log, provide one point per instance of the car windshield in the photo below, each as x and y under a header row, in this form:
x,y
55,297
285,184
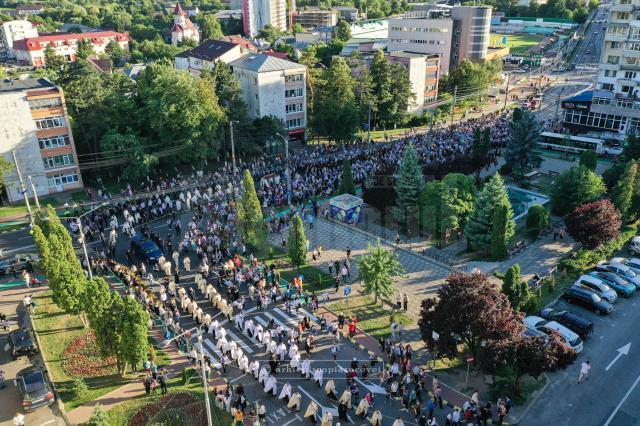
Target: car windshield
x,y
541,324
575,342
33,382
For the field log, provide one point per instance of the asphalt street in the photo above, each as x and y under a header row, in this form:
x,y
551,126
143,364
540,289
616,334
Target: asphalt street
x,y
611,395
590,48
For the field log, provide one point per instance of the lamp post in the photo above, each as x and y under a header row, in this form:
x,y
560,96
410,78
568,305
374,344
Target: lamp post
x,y
286,151
82,240
166,342
233,147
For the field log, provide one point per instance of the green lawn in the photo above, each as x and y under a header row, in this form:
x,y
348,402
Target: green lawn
x,y
6,211
56,330
373,318
519,43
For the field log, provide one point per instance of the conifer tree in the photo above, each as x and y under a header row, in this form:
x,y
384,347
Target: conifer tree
x,y
408,187
297,242
346,184
249,212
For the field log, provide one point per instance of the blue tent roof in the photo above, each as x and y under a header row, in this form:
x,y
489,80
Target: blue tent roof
x,y
585,96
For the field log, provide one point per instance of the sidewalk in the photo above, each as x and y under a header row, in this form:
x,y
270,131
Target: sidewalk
x,y
135,388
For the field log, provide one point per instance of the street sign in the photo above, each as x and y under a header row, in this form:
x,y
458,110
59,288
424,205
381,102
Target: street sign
x,y
435,336
347,290
470,359
504,39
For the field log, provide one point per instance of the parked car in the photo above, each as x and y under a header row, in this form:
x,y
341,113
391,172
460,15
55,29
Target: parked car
x,y
22,343
35,388
634,248
631,262
146,249
570,338
519,71
582,326
19,263
621,286
588,299
598,286
622,270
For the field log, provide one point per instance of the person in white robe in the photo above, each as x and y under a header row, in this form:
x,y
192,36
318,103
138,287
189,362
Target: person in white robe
x,y
239,320
330,389
376,418
272,346
327,419
294,401
271,385
285,393
362,408
281,351
255,368
305,368
263,374
311,412
295,362
317,376
345,398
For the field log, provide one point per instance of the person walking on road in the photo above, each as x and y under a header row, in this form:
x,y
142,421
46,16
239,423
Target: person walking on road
x,y
18,420
584,371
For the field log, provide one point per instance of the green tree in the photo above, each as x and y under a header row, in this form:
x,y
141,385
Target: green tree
x,y
343,31
391,90
210,27
589,159
96,299
135,326
521,151
575,186
515,288
537,219
499,239
55,63
479,227
270,33
297,29
623,192
116,52
346,184
297,242
631,150
5,167
408,186
377,269
128,144
249,213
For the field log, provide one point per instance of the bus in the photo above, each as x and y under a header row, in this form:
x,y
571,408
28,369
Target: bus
x,y
577,144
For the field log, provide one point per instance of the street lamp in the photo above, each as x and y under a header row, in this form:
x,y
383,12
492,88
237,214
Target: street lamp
x,y
166,343
81,239
286,150
233,147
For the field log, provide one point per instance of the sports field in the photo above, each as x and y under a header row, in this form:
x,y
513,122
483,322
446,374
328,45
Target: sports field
x,y
519,43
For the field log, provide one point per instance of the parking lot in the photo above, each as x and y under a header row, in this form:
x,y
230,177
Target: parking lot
x,y
608,397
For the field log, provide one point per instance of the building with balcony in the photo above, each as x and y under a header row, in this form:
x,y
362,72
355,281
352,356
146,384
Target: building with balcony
x,y
471,25
423,72
428,32
205,55
315,17
31,50
35,125
13,31
616,96
256,14
276,87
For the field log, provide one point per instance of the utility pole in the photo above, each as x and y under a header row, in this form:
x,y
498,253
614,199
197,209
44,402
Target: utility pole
x,y
23,190
35,194
287,169
84,247
506,94
453,104
233,148
369,125
204,378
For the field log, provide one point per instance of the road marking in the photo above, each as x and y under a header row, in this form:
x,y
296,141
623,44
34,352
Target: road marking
x,y
622,401
277,321
237,378
286,317
239,340
291,421
48,422
621,351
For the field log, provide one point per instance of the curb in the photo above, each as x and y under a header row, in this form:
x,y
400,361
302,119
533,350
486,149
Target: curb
x,y
533,401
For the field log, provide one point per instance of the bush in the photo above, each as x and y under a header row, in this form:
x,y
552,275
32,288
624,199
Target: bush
x,y
99,416
551,283
594,224
589,159
270,252
80,388
537,219
533,304
505,170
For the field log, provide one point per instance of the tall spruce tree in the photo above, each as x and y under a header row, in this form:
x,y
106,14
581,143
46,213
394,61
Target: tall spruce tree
x,y
521,152
513,286
297,242
249,212
499,240
408,187
479,225
624,190
346,184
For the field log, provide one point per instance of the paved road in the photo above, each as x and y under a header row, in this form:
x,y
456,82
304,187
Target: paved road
x,y
551,108
590,48
601,400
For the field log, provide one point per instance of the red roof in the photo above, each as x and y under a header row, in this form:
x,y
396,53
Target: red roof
x,y
281,55
34,43
178,10
242,42
177,28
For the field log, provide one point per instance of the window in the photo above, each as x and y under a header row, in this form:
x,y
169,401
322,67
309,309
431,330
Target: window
x,y
617,30
293,93
616,44
607,86
294,77
622,16
633,46
630,75
54,142
610,73
60,179
45,103
627,89
58,161
294,122
293,108
613,60
47,123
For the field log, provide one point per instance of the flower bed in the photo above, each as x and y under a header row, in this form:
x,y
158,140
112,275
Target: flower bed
x,y
81,358
165,410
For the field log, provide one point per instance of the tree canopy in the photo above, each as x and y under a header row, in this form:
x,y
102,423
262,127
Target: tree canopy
x,y
377,269
575,186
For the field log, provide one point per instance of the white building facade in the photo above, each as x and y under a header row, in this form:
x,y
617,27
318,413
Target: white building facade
x,y
274,87
183,28
13,31
256,14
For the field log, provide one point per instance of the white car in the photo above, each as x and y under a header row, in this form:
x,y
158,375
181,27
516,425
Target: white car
x,y
631,262
519,71
634,248
597,286
570,338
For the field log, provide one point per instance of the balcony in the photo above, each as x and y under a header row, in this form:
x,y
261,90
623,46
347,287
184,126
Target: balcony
x,y
631,54
615,37
621,8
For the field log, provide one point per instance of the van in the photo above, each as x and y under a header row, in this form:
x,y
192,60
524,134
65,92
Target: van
x,y
597,286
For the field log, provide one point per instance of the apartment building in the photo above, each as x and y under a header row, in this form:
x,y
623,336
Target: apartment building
x,y
615,104
35,125
423,73
274,86
31,50
206,55
12,31
427,32
256,14
471,26
315,17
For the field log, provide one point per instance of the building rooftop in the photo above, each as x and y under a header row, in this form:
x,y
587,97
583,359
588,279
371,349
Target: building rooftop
x,y
34,43
585,96
402,54
208,50
12,85
264,63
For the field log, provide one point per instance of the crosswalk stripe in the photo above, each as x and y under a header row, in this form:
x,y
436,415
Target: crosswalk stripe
x,y
286,317
310,316
239,340
261,321
215,362
277,321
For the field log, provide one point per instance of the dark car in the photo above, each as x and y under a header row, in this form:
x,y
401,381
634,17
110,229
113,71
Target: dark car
x,y
145,249
588,299
583,327
22,343
18,263
621,286
35,388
